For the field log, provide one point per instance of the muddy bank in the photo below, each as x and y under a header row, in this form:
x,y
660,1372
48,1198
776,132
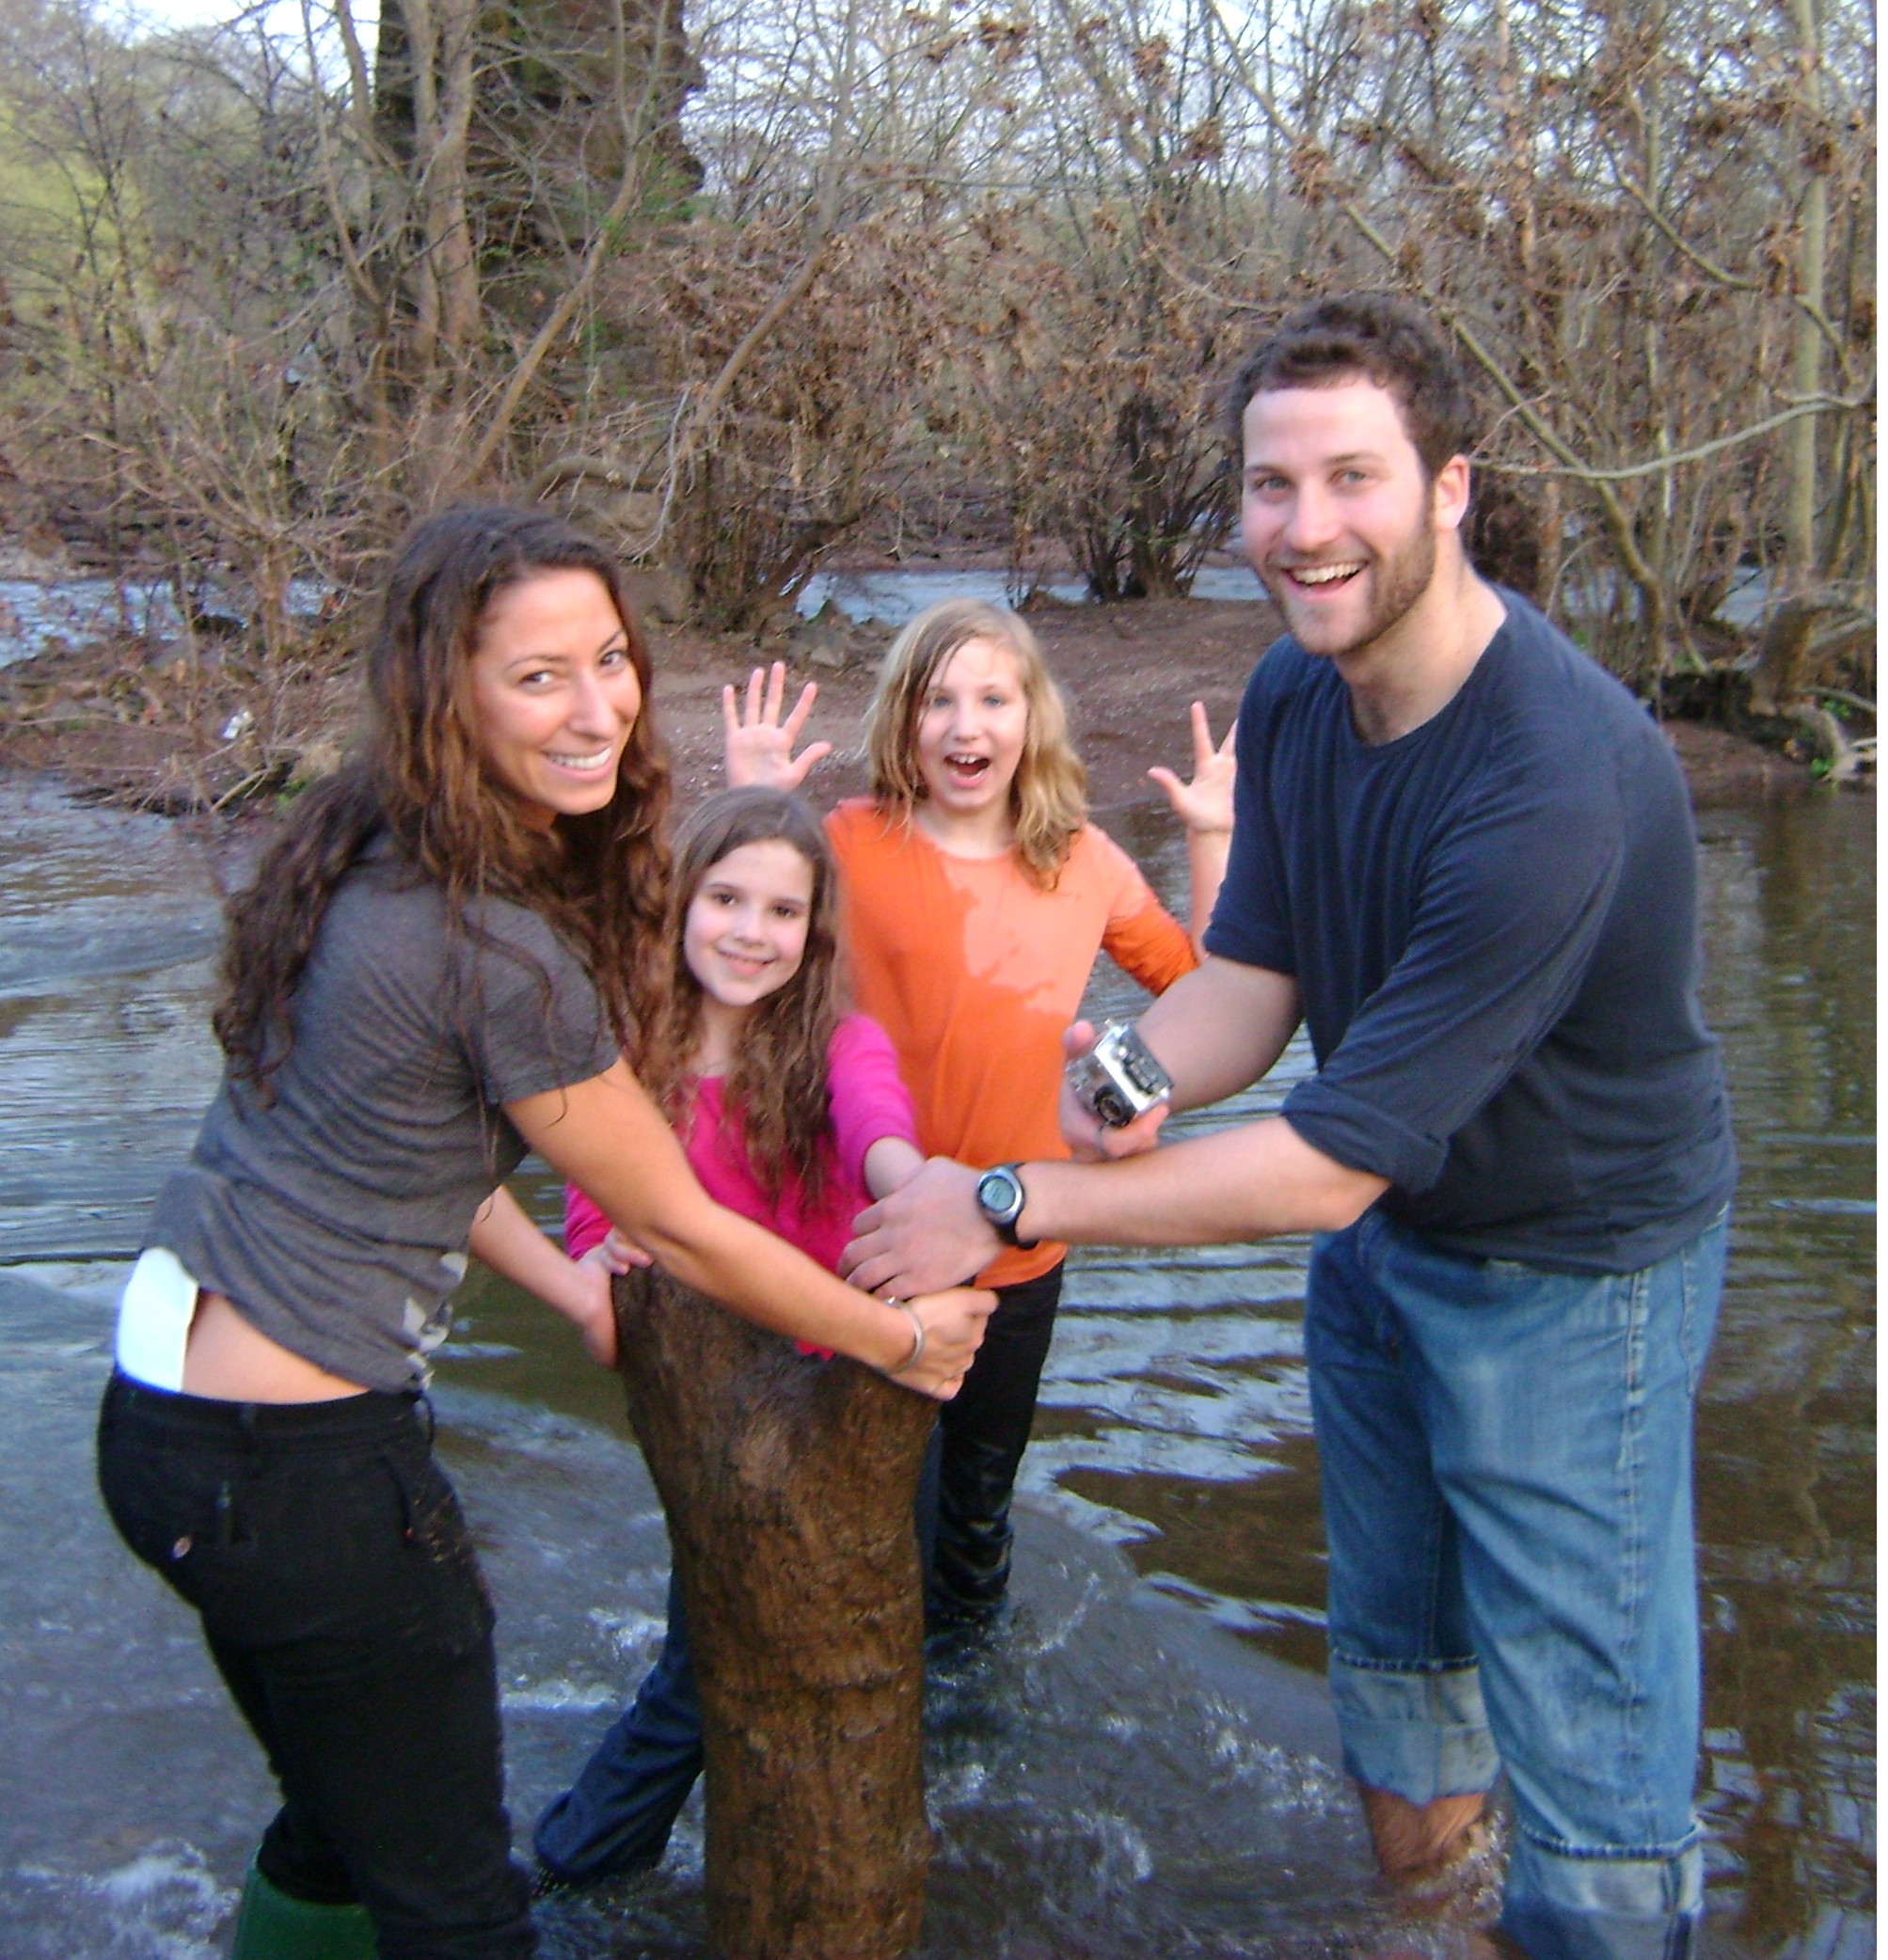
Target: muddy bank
x,y
1130,673
138,725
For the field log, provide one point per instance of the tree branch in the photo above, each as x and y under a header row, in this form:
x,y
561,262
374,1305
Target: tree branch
x,y
1712,270
635,125
1818,405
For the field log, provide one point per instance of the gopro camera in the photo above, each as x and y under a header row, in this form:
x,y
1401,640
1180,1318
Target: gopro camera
x,y
1119,1079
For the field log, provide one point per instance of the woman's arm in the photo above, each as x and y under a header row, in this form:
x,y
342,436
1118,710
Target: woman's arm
x,y
607,1135
507,1241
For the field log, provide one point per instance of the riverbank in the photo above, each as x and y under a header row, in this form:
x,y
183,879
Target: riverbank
x,y
155,732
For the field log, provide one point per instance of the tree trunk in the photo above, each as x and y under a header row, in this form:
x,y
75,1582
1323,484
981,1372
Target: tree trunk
x,y
788,1486
1800,565
446,185
1785,662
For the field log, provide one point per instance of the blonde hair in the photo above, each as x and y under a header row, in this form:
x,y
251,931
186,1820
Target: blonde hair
x,y
1048,800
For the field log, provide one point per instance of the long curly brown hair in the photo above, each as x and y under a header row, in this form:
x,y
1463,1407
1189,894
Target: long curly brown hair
x,y
774,1099
417,773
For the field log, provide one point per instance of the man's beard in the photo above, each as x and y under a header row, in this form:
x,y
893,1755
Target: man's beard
x,y
1397,583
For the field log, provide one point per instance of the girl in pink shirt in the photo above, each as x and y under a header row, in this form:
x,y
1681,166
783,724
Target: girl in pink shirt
x,y
792,1112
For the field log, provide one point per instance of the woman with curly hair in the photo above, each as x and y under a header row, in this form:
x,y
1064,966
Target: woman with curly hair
x,y
452,955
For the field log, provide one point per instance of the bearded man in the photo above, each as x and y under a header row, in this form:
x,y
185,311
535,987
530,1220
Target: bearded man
x,y
1464,857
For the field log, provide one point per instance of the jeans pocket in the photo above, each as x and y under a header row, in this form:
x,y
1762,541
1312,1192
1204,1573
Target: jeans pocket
x,y
150,1522
1510,1273
437,1542
1496,1284
167,1509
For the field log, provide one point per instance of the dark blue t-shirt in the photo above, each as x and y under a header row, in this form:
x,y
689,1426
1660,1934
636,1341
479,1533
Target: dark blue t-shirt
x,y
1493,926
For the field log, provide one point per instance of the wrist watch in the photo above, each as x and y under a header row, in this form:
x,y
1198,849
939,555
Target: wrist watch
x,y
1000,1197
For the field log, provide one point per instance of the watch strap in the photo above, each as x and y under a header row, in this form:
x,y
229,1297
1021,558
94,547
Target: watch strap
x,y
1004,1222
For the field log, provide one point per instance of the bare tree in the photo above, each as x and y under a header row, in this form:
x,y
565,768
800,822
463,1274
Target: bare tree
x,y
744,293
1560,189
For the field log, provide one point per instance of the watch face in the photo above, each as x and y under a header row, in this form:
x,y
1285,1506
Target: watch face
x,y
1000,1193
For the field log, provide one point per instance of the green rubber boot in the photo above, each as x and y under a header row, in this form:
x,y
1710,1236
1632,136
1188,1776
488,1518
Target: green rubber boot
x,y
272,1926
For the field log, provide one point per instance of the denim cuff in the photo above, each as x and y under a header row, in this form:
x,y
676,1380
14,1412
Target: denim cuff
x,y
1604,1905
1416,1728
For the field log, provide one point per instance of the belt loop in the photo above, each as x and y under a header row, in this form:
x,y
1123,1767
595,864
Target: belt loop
x,y
426,1403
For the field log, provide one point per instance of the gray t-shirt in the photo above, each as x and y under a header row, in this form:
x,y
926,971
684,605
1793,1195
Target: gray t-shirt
x,y
336,1215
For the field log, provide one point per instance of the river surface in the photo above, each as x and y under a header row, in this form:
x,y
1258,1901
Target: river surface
x,y
36,614
1146,1762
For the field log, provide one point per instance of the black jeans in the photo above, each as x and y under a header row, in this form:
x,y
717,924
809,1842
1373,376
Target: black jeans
x,y
983,1433
328,1558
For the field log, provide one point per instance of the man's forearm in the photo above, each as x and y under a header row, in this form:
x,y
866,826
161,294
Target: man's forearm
x,y
1219,1029
1255,1181
1216,1030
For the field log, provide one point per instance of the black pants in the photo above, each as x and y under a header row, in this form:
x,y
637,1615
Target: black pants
x,y
983,1433
328,1558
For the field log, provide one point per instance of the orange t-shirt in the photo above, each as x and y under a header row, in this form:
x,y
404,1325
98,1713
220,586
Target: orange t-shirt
x,y
975,973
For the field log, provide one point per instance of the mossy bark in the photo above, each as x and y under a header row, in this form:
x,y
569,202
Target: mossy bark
x,y
789,1485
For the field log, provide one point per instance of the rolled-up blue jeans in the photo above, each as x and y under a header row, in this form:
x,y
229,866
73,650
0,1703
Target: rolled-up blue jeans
x,y
1506,1455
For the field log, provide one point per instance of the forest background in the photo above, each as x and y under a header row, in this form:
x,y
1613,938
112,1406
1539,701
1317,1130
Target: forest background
x,y
773,280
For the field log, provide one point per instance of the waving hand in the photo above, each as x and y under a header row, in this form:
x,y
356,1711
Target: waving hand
x,y
760,744
1205,803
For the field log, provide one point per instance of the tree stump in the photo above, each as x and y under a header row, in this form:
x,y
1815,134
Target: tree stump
x,y
789,1485
1782,662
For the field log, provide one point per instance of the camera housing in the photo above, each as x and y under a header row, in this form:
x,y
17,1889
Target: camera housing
x,y
1119,1079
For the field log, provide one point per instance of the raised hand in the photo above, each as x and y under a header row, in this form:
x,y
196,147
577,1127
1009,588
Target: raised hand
x,y
759,744
1205,804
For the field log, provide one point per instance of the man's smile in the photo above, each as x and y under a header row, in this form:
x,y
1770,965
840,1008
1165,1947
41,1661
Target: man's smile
x,y
1319,577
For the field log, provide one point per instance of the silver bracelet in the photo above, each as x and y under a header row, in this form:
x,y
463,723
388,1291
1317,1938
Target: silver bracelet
x,y
917,1354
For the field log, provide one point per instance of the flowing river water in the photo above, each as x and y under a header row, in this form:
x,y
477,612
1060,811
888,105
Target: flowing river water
x,y
1146,1762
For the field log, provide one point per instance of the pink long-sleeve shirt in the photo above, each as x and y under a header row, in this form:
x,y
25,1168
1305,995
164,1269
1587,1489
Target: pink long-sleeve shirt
x,y
869,1102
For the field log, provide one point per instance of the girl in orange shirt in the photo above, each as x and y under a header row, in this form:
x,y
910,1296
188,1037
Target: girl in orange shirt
x,y
977,894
